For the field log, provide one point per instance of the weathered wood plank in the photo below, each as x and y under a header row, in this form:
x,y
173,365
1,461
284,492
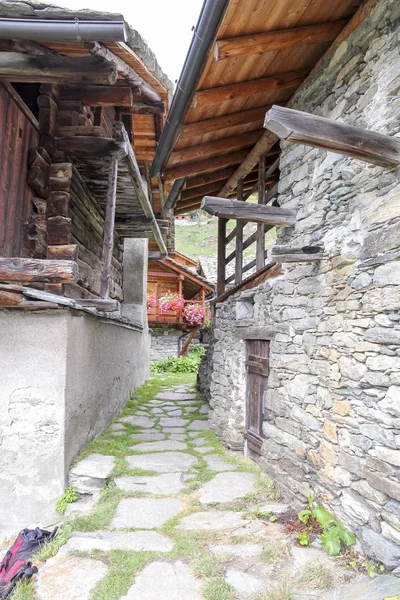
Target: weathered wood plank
x,y
81,146
16,66
239,239
105,271
142,87
254,115
304,128
255,333
98,95
216,147
271,41
285,258
145,108
260,247
221,256
45,271
203,166
244,211
244,89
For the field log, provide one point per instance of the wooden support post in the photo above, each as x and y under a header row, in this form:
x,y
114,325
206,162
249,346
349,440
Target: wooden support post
x,y
246,211
105,270
180,285
221,256
260,250
239,239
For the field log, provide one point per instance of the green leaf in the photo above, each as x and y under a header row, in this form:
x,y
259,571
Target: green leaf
x,y
303,538
347,537
273,518
304,515
310,501
323,517
331,541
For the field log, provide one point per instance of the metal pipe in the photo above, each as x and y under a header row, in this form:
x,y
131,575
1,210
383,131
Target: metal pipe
x,y
204,34
65,30
174,193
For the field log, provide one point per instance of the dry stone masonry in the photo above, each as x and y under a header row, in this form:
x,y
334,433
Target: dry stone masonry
x,y
332,409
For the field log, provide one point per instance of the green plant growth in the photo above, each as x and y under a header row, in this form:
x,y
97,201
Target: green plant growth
x,y
334,536
68,497
185,364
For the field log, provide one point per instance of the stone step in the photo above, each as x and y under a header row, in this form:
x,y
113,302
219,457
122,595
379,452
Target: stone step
x,y
159,446
227,487
165,581
66,577
134,541
167,483
168,462
91,473
144,513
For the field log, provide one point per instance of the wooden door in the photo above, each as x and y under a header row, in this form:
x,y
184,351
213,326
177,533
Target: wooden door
x,y
257,366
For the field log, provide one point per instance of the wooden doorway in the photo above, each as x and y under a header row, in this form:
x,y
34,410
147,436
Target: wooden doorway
x,y
257,367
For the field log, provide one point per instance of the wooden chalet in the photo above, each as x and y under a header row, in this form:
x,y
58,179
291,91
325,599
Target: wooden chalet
x,y
82,105
245,58
176,273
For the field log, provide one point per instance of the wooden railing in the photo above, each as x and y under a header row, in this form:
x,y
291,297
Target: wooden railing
x,y
257,238
172,316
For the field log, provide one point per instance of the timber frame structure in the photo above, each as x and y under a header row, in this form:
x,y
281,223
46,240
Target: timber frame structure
x,y
81,118
215,145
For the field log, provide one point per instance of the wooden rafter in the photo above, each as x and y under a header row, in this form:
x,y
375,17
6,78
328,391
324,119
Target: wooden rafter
x,y
144,108
201,180
203,166
99,95
17,66
254,115
304,128
244,89
245,211
276,40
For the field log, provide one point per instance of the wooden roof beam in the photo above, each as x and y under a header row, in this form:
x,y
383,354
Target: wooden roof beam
x,y
96,95
203,190
277,40
142,87
201,180
254,115
244,89
304,128
15,66
144,108
26,270
210,164
246,211
207,150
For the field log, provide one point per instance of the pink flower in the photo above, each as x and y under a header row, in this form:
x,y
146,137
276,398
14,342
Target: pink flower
x,y
171,302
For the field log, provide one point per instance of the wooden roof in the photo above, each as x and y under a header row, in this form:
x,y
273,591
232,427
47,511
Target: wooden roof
x,y
243,76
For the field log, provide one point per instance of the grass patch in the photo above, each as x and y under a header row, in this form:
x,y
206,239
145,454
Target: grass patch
x,y
275,553
280,591
122,568
315,576
25,590
217,589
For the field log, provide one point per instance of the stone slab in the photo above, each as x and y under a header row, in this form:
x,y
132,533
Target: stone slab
x,y
204,410
167,483
134,541
169,430
190,409
175,396
165,581
169,462
204,450
150,435
174,413
379,588
213,520
144,513
157,411
66,577
244,582
173,422
226,487
215,463
91,473
179,437
194,434
198,441
199,426
160,446
241,550
117,427
83,506
144,422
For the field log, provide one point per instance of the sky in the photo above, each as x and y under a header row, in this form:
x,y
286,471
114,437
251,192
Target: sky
x,y
166,26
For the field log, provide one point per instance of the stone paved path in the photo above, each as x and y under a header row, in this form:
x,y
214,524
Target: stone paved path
x,y
176,520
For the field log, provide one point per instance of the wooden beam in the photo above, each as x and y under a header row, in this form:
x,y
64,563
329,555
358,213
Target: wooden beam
x,y
206,178
260,248
142,87
254,115
45,271
271,41
304,128
267,272
216,147
96,95
283,254
268,139
221,256
100,304
204,190
245,211
203,166
270,171
109,221
80,146
239,239
16,66
145,108
133,168
245,89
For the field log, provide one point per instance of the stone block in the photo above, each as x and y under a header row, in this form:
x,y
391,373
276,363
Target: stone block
x,y
384,484
365,490
387,455
341,407
91,473
377,433
391,402
379,548
330,431
387,274
391,534
307,420
383,335
356,508
352,463
64,577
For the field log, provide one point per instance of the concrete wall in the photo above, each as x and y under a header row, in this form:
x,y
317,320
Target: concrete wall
x,y
64,376
332,416
135,265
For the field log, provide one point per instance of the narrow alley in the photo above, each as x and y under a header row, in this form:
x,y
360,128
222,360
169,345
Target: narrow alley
x,y
167,513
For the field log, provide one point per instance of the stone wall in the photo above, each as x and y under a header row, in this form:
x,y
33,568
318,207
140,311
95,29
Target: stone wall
x,y
64,376
165,343
332,409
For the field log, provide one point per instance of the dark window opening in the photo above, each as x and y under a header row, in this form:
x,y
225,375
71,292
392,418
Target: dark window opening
x,y
29,92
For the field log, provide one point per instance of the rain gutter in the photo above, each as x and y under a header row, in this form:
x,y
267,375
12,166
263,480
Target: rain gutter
x,y
65,30
203,37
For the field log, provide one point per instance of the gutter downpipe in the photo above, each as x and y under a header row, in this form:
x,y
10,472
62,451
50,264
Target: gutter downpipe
x,y
66,30
174,193
204,34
